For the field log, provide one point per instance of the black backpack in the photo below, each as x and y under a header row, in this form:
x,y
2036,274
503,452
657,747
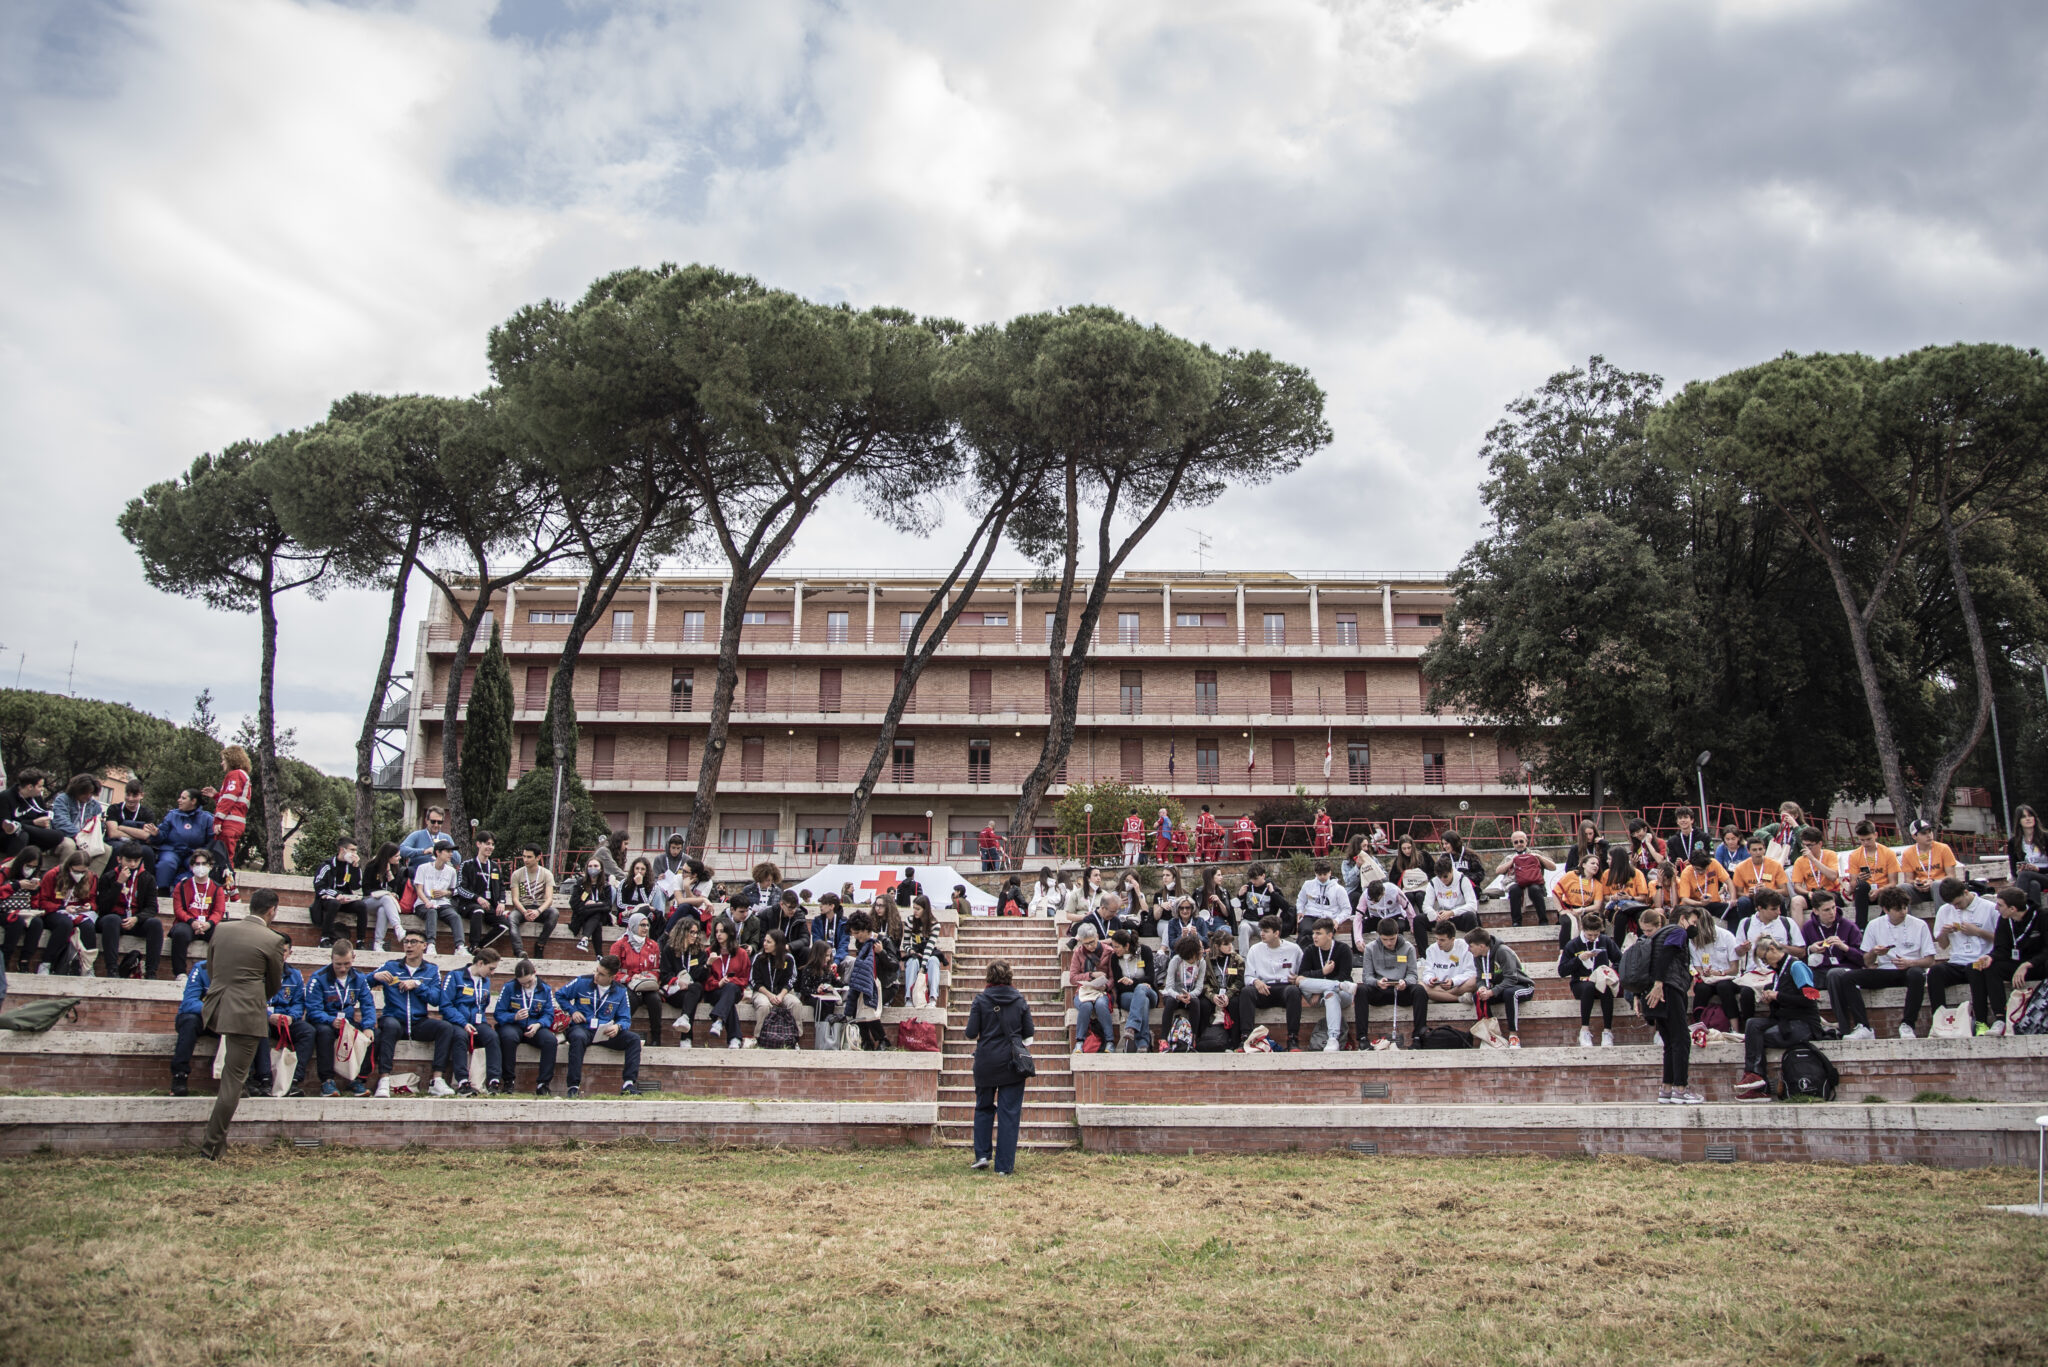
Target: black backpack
x,y
1445,1037
1804,1071
1215,1040
1636,964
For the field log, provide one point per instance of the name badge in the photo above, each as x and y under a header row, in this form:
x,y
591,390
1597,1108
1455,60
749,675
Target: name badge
x,y
1400,958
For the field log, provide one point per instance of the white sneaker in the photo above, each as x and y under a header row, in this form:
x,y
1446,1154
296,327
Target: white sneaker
x,y
1606,1039
1907,1032
1861,1032
684,1043
1585,1037
440,1087
384,1087
732,1044
717,1029
1332,1046
1998,1027
181,979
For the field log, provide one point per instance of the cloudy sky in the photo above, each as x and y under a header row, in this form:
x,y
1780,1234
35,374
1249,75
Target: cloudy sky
x,y
214,217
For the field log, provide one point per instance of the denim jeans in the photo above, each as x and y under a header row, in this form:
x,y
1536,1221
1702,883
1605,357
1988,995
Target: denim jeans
x,y
929,966
998,1109
1335,996
1137,1004
1097,1011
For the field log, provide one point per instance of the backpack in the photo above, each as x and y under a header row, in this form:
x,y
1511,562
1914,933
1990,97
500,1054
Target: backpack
x,y
1635,965
130,965
1804,1071
1214,1040
1181,1039
2032,1018
1445,1037
778,1029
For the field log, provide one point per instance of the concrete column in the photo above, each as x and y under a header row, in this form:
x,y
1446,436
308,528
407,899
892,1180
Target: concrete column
x,y
796,611
1017,618
871,612
1241,638
1315,618
1166,611
507,636
1387,611
653,606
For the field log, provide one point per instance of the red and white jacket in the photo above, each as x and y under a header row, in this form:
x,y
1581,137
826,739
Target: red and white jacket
x,y
1134,827
231,804
190,901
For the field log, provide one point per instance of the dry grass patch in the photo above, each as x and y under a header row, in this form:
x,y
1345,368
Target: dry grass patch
x,y
654,1254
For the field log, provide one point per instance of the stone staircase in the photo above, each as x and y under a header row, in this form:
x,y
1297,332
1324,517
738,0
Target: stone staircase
x,y
1031,948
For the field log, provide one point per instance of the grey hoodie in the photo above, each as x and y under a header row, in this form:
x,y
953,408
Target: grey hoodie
x,y
1396,964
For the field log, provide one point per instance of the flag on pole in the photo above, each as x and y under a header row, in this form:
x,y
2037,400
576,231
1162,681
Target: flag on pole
x,y
1169,759
1328,744
1251,751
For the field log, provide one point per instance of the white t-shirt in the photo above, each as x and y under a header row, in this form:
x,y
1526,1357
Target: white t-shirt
x,y
1977,926
1441,968
1442,900
1754,929
436,884
1271,965
1716,960
1885,943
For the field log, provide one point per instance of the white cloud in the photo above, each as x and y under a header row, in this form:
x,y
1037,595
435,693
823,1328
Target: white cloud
x,y
216,217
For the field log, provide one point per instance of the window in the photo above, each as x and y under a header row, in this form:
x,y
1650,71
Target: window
x,y
1347,628
828,759
1132,761
1432,759
963,836
757,691
1187,619
753,759
981,691
1201,619
529,750
1280,691
1358,760
1429,619
682,690
608,689
542,618
693,626
678,769
1354,692
1127,628
819,834
1045,840
746,835
995,619
1048,625
536,688
1205,692
604,753
906,624
978,761
837,624
903,761
1208,760
622,626
902,835
1130,692
1276,628
1283,759
468,684
751,618
828,690
654,835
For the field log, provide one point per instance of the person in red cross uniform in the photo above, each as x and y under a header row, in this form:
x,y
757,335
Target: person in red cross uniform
x,y
230,800
991,848
1134,838
1208,837
1244,837
1324,832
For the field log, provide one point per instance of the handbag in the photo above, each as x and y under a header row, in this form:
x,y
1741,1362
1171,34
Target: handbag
x,y
1489,1033
827,1033
479,1064
2032,1019
284,1062
91,838
919,1037
351,1052
1952,1022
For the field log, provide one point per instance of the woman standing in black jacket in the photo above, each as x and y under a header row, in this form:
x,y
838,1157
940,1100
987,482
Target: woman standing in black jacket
x,y
1000,1024
1669,1002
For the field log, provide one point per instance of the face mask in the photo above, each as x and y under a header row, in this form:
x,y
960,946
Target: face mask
x,y
77,875
201,872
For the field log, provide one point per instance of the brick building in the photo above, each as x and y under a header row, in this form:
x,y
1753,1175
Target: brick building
x,y
1219,688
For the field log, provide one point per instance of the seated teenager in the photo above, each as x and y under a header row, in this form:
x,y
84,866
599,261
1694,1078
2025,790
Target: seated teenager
x,y
1898,950
1965,929
1869,869
1450,896
1130,981
920,954
384,879
1732,850
1325,980
433,888
818,987
1757,873
188,1027
772,976
1184,987
1926,863
636,892
600,1013
1832,939
1767,922
2022,937
1390,979
19,880
1270,968
131,818
1621,894
1577,891
1705,886
1322,897
127,905
1792,1016
639,955
1500,982
1378,900
728,972
1815,870
1258,899
1088,974
67,900
338,892
2027,856
1715,965
288,1026
466,1004
1226,979
530,893
412,989
198,905
525,1014
480,894
1447,974
1585,954
685,968
1523,867
335,994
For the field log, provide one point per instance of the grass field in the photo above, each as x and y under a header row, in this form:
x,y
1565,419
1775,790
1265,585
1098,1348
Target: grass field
x,y
659,1255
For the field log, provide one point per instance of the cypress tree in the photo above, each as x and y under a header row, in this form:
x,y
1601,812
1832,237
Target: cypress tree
x,y
487,734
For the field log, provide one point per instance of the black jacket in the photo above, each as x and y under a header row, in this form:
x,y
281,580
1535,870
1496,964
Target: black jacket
x,y
337,880
772,973
1606,954
481,885
2022,940
1340,963
1255,904
998,1023
1143,953
1678,848
107,894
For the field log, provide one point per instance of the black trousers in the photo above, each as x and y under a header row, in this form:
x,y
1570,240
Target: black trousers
x,y
625,1041
1372,994
1582,988
1532,895
1763,1033
148,929
487,926
390,1030
23,933
324,1037
1249,1001
686,1003
514,1034
1943,976
540,929
327,914
57,927
1738,1004
183,933
1669,1017
1199,1010
1845,989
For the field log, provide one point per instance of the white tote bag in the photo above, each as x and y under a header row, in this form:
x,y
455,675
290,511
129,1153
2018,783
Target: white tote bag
x,y
283,1063
351,1052
479,1064
1953,1022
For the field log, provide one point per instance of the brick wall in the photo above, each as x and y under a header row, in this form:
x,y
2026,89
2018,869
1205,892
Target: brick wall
x,y
394,1134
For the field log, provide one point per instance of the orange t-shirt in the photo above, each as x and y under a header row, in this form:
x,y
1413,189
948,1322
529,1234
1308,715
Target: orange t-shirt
x,y
1574,893
1827,874
1637,887
1879,870
1939,864
1703,885
1748,877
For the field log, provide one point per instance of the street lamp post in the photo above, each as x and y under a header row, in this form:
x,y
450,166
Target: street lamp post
x,y
1699,768
1088,838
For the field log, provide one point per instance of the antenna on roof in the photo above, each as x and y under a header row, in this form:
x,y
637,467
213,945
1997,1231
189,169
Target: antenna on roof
x,y
1202,544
